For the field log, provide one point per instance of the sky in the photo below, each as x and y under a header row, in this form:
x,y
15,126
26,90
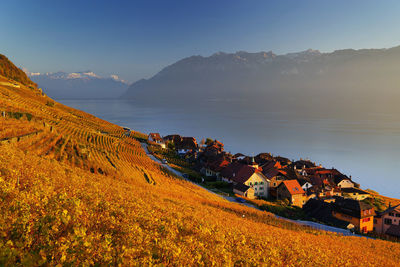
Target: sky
x,y
136,39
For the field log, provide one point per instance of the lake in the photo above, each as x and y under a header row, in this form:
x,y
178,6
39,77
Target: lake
x,y
366,148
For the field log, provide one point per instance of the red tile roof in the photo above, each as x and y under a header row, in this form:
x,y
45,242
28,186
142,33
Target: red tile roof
x,y
218,165
270,173
238,172
293,187
156,137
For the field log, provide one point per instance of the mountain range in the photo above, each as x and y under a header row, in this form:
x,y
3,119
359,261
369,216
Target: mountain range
x,y
79,85
343,81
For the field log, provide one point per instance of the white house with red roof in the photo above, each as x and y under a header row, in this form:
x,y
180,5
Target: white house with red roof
x,y
238,173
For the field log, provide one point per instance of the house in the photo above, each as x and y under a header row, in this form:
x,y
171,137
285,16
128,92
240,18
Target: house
x,y
156,138
325,191
291,190
355,193
244,190
275,177
269,164
213,168
358,213
186,144
388,221
174,138
215,147
238,173
343,182
318,181
305,184
340,180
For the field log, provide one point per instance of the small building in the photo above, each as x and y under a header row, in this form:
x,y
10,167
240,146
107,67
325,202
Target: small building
x,y
213,168
185,145
238,173
305,184
358,213
275,177
291,190
388,221
355,193
156,139
244,190
175,138
342,181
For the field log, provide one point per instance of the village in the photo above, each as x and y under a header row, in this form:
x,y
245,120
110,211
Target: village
x,y
298,189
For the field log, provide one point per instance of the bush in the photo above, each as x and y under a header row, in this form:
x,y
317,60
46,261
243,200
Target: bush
x,y
28,116
50,103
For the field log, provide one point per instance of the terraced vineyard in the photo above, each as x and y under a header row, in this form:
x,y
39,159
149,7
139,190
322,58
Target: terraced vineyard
x,y
76,190
38,124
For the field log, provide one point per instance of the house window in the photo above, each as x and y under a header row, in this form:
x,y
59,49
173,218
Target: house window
x,y
375,221
391,214
388,221
250,183
261,188
398,215
255,183
366,219
261,182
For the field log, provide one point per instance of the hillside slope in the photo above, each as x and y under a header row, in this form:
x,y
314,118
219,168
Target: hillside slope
x,y
9,70
77,190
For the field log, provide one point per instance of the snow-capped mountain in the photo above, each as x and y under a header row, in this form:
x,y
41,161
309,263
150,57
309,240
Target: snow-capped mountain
x,y
86,84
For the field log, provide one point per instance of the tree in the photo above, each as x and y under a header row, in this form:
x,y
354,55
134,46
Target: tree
x,y
171,146
209,141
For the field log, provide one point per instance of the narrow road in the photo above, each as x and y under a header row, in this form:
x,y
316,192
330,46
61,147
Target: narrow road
x,y
314,225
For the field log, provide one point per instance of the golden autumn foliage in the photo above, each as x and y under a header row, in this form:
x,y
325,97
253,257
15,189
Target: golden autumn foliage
x,y
9,70
81,191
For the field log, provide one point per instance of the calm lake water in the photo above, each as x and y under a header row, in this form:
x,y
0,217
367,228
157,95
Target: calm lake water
x,y
368,149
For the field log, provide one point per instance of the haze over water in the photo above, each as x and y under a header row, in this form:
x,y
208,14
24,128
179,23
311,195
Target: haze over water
x,y
368,148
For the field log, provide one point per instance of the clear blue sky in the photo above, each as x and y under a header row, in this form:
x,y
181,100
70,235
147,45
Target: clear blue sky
x,y
135,39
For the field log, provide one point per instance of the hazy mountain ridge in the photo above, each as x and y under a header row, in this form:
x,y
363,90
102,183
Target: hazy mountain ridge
x,y
351,80
79,85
